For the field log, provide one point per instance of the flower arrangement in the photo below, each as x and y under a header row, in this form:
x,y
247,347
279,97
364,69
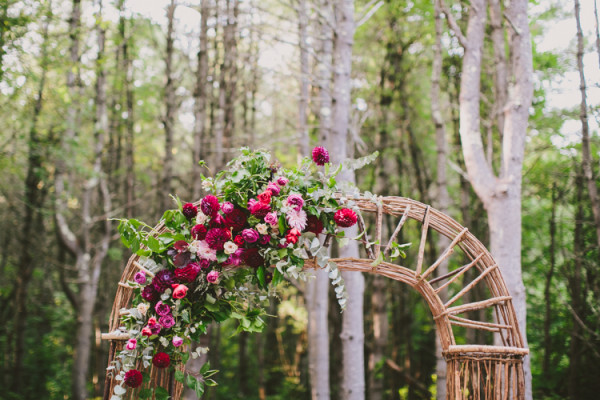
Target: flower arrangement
x,y
257,215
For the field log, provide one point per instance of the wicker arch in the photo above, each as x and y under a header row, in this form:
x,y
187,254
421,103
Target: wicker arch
x,y
474,371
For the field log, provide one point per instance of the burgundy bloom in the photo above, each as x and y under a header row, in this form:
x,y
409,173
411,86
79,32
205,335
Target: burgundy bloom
x,y
259,210
268,277
210,205
162,309
133,378
217,237
345,217
236,258
150,294
189,210
217,221
239,240
198,232
161,360
314,225
273,188
204,263
235,220
320,155
163,280
250,235
265,239
188,273
252,258
181,245
282,181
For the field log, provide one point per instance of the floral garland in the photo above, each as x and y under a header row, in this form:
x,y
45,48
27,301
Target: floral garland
x,y
257,215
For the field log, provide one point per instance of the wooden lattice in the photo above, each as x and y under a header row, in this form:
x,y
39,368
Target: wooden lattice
x,y
474,371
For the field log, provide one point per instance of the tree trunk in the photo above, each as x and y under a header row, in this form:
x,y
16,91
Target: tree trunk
x,y
303,138
443,199
200,101
585,130
129,138
170,107
353,380
501,195
380,337
32,224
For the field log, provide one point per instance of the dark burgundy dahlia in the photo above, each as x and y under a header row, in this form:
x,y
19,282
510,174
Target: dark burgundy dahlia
x,y
236,220
150,294
210,205
217,237
161,360
198,232
252,258
320,155
133,378
345,217
314,225
189,210
259,210
188,273
163,280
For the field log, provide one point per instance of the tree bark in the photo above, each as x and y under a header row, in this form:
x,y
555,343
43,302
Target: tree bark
x,y
200,101
585,130
501,195
443,199
353,379
170,110
32,224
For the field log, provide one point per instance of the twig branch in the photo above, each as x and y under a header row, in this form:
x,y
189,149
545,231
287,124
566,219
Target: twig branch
x,y
369,13
453,24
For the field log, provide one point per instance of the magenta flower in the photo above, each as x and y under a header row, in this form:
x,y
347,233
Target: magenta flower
x,y
167,321
271,218
295,201
140,278
213,276
162,308
227,207
210,205
150,294
217,237
189,210
131,344
320,155
282,181
250,235
177,341
273,188
265,239
235,258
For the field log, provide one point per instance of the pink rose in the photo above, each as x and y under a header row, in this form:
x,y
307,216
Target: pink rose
x,y
140,278
227,207
271,218
179,291
177,341
213,276
167,321
146,331
250,235
131,344
281,181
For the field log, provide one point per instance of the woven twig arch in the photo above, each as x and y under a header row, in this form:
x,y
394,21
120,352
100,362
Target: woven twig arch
x,y
473,371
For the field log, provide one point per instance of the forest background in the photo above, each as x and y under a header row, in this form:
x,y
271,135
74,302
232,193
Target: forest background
x,y
108,105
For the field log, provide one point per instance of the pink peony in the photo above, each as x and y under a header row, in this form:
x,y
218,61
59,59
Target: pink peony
x,y
140,278
179,291
271,218
295,201
282,181
320,155
131,344
210,205
273,188
213,276
177,341
250,235
227,207
259,209
162,308
345,217
189,210
166,321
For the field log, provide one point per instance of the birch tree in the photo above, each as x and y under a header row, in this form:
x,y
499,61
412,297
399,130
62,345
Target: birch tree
x,y
501,193
353,379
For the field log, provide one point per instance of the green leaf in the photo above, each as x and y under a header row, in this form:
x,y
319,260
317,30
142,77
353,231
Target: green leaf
x,y
378,260
205,368
222,257
277,277
161,393
281,223
260,274
153,244
179,376
199,389
190,381
145,393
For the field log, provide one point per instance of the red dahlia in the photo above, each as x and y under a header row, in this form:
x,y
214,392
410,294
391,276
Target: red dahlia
x,y
217,237
320,155
239,240
210,205
133,378
235,220
314,225
345,217
198,232
252,258
259,210
188,273
189,210
161,360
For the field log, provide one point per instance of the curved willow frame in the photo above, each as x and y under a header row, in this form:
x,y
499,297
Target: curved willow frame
x,y
473,371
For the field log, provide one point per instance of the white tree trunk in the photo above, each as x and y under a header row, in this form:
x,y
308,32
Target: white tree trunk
x,y
501,195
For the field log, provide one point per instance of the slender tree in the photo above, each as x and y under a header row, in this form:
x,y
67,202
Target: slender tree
x,y
500,194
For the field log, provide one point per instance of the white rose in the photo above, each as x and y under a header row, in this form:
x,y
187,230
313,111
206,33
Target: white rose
x,y
206,184
262,229
201,218
194,246
142,308
230,247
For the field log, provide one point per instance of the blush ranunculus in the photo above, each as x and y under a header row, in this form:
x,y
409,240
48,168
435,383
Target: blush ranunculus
x,y
179,291
161,360
345,217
